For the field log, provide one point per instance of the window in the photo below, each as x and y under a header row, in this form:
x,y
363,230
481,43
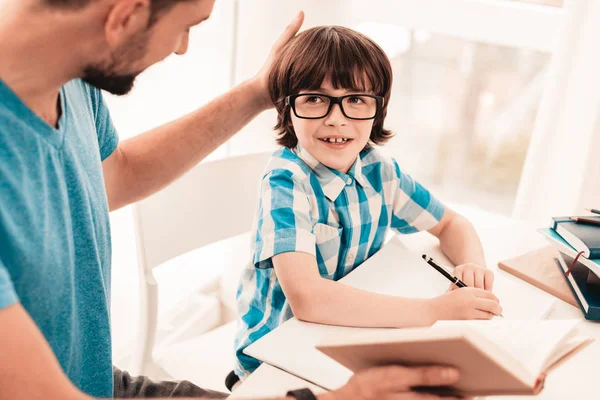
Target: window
x,y
468,79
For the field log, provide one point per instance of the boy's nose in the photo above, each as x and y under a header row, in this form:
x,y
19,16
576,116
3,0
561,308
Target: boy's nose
x,y
336,117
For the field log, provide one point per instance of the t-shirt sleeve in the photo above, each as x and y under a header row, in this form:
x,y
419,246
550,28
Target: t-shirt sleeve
x,y
284,219
108,139
414,207
8,295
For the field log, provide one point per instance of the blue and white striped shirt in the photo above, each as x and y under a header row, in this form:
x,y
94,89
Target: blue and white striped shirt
x,y
341,219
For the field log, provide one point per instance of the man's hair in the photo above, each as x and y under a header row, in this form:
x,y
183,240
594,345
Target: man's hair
x,y
158,6
349,59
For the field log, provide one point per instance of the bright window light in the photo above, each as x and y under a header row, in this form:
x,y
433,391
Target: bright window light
x,y
393,39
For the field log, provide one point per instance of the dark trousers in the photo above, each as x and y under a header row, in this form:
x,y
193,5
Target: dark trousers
x,y
127,387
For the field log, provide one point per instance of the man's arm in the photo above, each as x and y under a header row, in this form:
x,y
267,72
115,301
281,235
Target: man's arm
x,y
28,368
146,163
30,371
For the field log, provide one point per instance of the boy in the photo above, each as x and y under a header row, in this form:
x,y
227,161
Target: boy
x,y
328,198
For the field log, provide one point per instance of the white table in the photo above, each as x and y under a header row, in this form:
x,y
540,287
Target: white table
x,y
502,238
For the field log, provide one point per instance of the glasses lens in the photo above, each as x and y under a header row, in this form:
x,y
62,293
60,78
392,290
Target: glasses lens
x,y
312,106
360,106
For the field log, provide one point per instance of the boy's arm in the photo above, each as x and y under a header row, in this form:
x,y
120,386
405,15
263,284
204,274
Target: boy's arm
x,y
458,239
416,209
460,242
315,299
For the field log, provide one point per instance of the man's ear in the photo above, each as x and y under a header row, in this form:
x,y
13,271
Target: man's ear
x,y
125,20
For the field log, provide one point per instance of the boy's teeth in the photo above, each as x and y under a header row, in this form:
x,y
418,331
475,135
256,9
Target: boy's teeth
x,y
336,140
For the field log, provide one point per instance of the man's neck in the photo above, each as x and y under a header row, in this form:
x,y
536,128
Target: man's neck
x,y
38,55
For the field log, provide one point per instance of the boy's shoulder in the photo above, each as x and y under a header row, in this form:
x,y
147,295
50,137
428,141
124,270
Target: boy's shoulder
x,y
373,160
285,162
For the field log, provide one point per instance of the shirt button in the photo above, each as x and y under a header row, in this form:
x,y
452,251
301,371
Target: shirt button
x,y
351,258
349,181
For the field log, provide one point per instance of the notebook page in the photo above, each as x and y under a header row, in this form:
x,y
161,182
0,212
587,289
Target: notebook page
x,y
530,342
519,299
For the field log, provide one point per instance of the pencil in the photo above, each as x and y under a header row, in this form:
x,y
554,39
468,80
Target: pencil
x,y
586,221
593,210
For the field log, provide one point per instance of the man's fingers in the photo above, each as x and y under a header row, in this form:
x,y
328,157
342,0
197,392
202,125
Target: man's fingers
x,y
289,32
417,396
397,379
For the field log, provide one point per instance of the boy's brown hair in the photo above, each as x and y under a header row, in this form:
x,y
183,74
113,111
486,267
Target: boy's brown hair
x,y
351,60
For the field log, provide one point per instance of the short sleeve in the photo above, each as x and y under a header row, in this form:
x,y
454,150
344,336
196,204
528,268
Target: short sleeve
x,y
8,296
108,139
284,220
414,207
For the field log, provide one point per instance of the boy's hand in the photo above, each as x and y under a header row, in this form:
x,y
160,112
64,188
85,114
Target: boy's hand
x,y
474,276
466,303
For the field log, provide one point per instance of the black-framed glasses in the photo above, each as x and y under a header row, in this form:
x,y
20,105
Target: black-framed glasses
x,y
317,105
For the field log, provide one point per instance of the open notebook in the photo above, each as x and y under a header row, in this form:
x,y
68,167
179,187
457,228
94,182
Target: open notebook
x,y
493,357
393,270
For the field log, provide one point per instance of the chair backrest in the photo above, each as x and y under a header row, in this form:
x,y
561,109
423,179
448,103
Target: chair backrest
x,y
214,201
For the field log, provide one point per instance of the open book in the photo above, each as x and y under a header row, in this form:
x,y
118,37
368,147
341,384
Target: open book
x,y
500,357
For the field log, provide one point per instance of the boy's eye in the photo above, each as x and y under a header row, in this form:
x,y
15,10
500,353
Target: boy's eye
x,y
313,99
355,100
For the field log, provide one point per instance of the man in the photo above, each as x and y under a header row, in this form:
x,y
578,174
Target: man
x,y
62,170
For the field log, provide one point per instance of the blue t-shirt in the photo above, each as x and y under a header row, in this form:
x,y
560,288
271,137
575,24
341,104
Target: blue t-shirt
x,y
55,248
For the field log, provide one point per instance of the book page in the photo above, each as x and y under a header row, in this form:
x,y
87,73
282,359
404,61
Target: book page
x,y
531,342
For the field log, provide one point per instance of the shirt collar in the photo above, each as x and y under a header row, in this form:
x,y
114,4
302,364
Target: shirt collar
x,y
331,180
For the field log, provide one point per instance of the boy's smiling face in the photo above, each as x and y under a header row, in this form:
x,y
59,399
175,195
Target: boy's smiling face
x,y
316,135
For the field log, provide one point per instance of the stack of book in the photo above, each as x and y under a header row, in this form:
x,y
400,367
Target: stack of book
x,y
577,240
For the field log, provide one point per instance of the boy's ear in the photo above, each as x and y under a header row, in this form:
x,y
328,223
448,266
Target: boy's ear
x,y
125,20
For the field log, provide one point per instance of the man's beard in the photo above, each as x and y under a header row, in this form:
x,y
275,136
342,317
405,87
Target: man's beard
x,y
113,83
106,77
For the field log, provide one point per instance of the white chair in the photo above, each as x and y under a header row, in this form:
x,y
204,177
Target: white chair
x,y
214,201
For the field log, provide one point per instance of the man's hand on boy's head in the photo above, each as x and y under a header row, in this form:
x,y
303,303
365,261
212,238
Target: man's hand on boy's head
x,y
475,276
262,77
